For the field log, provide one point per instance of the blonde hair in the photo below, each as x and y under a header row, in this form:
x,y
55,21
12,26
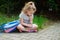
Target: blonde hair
x,y
29,6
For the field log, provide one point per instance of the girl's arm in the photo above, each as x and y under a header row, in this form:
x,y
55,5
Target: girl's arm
x,y
31,19
28,25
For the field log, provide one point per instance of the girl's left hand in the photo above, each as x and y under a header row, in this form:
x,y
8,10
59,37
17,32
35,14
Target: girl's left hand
x,y
30,25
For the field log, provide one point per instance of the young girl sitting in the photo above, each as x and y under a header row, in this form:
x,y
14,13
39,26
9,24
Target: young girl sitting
x,y
26,18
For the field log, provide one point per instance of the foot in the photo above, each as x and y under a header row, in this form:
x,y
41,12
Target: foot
x,y
32,30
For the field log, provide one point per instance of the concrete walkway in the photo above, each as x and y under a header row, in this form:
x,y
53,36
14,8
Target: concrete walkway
x,y
51,33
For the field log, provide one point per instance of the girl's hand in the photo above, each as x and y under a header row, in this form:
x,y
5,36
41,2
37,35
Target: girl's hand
x,y
29,25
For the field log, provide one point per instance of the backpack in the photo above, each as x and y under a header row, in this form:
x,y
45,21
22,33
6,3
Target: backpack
x,y
9,27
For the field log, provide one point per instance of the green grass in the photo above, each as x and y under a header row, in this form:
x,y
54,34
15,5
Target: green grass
x,y
40,21
5,19
37,20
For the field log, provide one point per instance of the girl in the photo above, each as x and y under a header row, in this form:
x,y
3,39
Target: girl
x,y
26,18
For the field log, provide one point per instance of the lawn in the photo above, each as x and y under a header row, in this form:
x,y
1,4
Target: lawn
x,y
37,20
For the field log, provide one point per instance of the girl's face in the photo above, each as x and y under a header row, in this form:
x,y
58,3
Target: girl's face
x,y
29,12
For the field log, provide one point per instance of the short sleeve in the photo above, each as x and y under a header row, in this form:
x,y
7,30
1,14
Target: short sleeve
x,y
21,15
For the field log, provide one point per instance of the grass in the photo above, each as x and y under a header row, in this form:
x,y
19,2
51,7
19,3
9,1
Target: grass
x,y
5,19
37,20
40,21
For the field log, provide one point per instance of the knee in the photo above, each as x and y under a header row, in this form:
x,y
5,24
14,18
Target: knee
x,y
20,26
35,26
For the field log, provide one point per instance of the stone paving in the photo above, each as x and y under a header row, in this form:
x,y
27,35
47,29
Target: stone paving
x,y
50,33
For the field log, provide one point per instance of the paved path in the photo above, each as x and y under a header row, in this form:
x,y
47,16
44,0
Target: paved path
x,y
51,33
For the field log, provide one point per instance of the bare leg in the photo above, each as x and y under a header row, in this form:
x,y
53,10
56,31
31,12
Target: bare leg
x,y
22,28
34,27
